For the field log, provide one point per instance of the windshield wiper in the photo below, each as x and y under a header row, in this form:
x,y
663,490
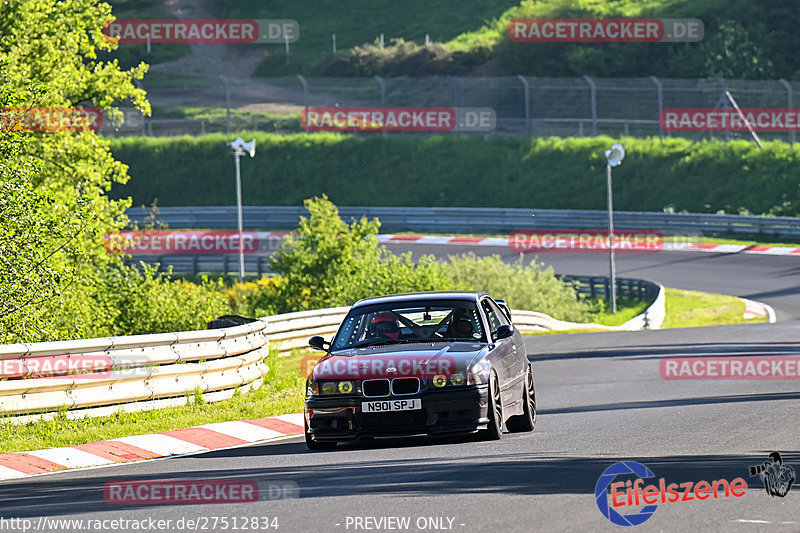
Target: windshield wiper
x,y
381,342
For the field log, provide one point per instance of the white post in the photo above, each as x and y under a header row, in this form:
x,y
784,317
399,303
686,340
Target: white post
x,y
333,38
236,156
381,41
612,275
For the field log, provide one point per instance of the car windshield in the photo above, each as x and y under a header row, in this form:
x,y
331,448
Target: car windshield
x,y
406,322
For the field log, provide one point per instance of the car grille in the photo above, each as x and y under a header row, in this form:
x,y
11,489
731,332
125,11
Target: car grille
x,y
405,386
375,387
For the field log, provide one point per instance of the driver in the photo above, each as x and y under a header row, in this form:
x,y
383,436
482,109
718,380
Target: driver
x,y
461,325
384,325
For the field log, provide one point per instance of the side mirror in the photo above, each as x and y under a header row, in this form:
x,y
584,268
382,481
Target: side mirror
x,y
504,332
318,343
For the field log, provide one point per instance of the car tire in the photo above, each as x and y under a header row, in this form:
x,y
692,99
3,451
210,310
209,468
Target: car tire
x,y
317,446
527,420
494,429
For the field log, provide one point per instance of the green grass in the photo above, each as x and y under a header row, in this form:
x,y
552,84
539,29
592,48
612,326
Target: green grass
x,y
131,54
627,308
281,393
687,309
360,21
742,39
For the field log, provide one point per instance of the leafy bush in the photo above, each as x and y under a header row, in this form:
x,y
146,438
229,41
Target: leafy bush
x,y
149,302
674,173
328,263
523,286
256,298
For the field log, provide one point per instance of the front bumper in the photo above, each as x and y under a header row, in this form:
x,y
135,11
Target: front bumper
x,y
461,410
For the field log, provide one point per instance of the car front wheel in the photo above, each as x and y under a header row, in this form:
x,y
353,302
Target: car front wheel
x,y
494,430
527,420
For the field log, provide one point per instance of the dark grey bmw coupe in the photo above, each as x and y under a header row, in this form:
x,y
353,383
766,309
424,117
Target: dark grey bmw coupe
x,y
420,363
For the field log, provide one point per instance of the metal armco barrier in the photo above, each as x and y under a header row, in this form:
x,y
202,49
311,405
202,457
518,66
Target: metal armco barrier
x,y
474,219
144,371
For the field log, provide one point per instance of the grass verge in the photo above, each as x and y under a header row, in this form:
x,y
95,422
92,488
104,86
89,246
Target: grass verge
x,y
687,309
282,392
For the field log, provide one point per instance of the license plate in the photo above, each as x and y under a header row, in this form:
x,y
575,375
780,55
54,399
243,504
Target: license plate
x,y
391,405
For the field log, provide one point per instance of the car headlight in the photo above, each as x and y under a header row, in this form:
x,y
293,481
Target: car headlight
x,y
479,374
440,380
315,388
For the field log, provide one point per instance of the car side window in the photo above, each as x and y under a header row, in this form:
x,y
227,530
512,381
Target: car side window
x,y
492,316
499,312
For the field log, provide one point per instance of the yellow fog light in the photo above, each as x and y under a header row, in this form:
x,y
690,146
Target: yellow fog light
x,y
329,387
345,387
439,381
457,379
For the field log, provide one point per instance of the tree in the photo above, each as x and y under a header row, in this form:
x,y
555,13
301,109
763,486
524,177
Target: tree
x,y
48,58
328,262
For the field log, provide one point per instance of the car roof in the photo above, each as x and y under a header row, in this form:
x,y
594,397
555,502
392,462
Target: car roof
x,y
470,296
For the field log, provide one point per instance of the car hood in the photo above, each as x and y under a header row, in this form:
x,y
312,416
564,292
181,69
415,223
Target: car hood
x,y
423,360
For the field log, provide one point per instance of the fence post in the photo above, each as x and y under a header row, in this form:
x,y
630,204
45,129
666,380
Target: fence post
x,y
660,89
305,90
454,84
724,86
382,85
789,105
527,88
227,101
593,93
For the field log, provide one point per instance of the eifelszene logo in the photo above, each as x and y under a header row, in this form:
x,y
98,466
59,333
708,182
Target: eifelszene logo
x,y
633,493
777,477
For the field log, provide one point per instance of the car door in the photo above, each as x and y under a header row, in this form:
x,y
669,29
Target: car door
x,y
504,351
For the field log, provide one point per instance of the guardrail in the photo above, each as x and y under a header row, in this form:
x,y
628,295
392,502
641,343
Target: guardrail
x,y
475,219
143,372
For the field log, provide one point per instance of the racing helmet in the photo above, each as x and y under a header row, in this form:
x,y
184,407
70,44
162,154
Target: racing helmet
x,y
384,325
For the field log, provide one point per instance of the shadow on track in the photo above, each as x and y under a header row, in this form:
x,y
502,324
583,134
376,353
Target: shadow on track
x,y
340,474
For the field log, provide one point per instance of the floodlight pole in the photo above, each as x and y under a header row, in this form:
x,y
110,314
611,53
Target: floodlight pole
x,y
236,155
612,276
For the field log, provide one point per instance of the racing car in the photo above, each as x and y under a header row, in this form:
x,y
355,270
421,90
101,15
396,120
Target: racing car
x,y
432,363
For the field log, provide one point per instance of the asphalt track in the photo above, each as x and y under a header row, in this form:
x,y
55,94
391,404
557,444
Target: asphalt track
x,y
601,400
